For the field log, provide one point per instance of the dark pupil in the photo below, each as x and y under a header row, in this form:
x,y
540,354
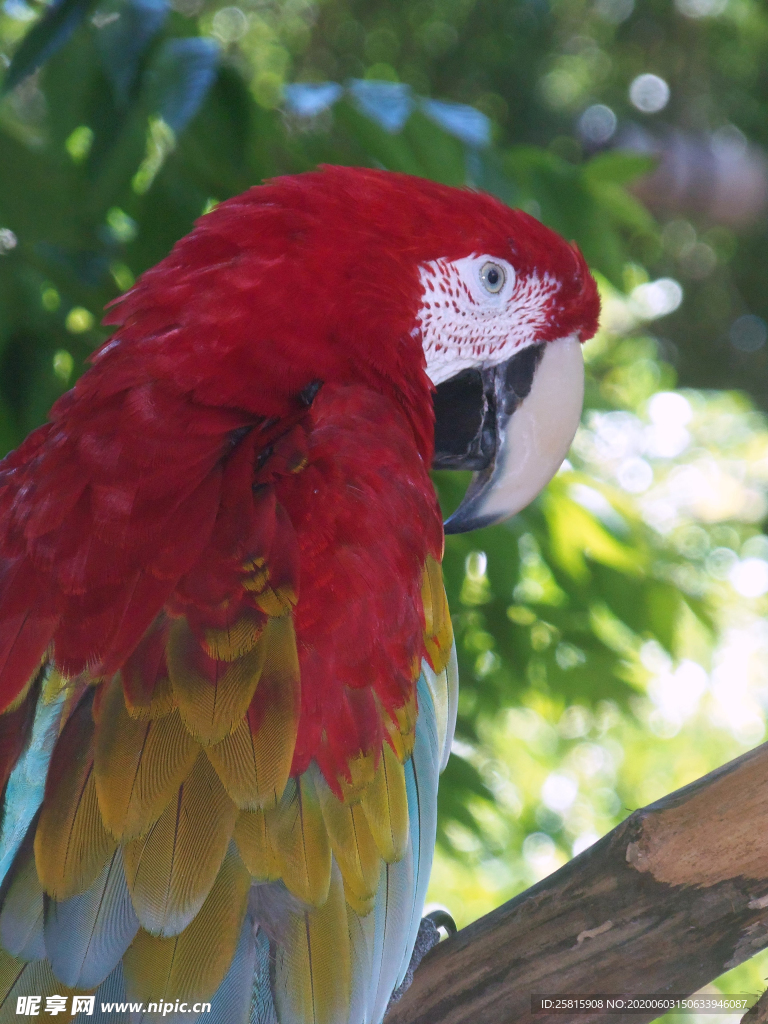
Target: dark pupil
x,y
493,277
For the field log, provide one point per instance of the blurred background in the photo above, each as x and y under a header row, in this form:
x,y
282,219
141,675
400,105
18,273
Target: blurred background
x,y
612,638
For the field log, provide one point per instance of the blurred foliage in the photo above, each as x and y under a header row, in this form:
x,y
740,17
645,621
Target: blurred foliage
x,y
611,638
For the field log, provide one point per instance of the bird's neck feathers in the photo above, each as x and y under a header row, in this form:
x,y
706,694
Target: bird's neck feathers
x,y
263,298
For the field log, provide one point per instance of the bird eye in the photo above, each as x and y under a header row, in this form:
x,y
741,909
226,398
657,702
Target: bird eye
x,y
492,277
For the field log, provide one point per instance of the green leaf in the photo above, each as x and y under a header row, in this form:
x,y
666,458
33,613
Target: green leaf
x,y
619,167
577,535
663,608
622,208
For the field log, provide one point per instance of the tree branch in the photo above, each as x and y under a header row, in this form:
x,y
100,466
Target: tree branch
x,y
670,899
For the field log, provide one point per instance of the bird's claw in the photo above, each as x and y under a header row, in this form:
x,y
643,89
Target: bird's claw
x,y
428,937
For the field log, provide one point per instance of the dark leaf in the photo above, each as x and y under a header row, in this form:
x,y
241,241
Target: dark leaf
x,y
125,30
45,38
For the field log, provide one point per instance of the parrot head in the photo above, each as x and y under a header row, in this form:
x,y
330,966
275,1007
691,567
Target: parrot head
x,y
501,329
468,313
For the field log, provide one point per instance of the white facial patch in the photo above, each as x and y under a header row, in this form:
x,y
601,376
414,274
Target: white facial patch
x,y
463,323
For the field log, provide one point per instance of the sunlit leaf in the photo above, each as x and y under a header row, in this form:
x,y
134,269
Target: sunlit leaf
x,y
577,535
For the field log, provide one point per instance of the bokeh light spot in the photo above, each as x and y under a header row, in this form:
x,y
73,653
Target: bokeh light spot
x,y
748,333
122,276
121,227
268,89
614,11
597,124
635,475
18,10
229,25
8,241
701,8
657,298
63,365
698,261
755,547
559,792
79,320
50,298
670,409
649,93
79,143
583,842
750,577
538,849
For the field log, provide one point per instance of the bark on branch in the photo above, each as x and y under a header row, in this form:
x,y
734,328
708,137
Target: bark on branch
x,y
673,897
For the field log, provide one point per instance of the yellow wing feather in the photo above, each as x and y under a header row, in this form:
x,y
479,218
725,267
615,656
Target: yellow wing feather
x,y
191,965
160,703
362,770
255,769
385,803
352,843
313,968
236,640
210,709
253,844
280,700
438,631
401,726
299,840
139,764
71,843
171,869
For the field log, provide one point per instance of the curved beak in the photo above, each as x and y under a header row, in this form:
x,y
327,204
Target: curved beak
x,y
513,424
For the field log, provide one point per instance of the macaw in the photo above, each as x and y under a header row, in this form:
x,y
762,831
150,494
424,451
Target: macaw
x,y
228,681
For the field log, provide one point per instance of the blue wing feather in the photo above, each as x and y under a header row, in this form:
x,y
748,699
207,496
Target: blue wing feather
x,y
86,935
26,785
422,773
403,885
262,1004
232,1002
